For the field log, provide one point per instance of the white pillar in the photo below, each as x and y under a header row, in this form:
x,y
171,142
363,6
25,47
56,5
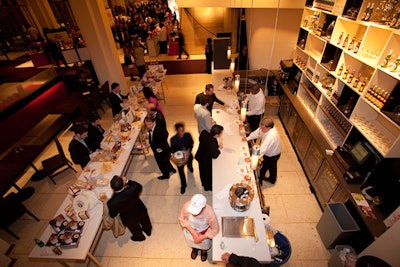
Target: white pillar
x,y
95,27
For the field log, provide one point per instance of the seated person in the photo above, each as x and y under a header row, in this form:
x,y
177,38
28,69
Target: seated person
x,y
95,133
78,148
116,99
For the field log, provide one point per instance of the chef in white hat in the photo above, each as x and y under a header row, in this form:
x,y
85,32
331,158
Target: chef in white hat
x,y
199,224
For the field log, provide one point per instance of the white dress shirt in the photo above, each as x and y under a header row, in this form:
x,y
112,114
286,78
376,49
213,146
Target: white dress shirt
x,y
204,120
256,103
270,141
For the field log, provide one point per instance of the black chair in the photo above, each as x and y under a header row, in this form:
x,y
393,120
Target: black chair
x,y
52,166
94,96
11,209
105,92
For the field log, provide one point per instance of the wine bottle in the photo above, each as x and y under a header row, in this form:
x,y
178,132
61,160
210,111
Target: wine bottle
x,y
362,85
386,60
350,77
371,9
346,72
356,80
351,44
39,242
339,41
395,64
340,70
366,11
357,47
346,40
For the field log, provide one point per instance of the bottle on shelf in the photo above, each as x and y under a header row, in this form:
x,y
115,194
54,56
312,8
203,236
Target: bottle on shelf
x,y
351,44
346,72
386,60
366,11
395,64
339,41
362,85
356,80
39,242
350,76
346,40
370,11
340,70
357,47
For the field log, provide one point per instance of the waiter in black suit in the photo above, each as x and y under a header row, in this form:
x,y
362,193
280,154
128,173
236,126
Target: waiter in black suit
x,y
158,139
95,132
78,148
116,99
129,206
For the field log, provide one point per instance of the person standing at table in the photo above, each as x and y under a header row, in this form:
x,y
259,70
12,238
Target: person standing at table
x,y
270,148
203,116
181,42
241,261
151,97
138,55
127,203
183,141
156,114
116,99
158,140
199,224
163,39
209,90
209,55
209,149
95,133
255,106
78,148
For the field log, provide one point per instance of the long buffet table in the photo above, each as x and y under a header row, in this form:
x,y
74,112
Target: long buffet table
x,y
228,170
92,230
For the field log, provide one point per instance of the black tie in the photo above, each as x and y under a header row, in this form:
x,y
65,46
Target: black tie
x,y
149,136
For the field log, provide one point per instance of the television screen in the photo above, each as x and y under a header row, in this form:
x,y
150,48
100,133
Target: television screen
x,y
359,152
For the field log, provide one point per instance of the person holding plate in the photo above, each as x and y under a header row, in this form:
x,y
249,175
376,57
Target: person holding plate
x,y
183,141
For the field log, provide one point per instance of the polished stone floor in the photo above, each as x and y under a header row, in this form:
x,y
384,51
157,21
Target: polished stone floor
x,y
293,208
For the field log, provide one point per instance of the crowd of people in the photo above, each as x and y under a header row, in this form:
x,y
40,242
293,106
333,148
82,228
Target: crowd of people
x,y
197,219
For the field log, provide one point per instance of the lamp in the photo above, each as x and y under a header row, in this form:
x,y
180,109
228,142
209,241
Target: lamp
x,y
232,65
255,153
243,110
237,82
229,52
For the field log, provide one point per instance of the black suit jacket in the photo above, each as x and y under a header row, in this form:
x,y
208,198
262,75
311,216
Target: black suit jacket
x,y
95,136
127,203
115,103
160,139
208,147
79,153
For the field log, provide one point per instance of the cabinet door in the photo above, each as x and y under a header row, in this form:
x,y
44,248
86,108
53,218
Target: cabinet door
x,y
313,161
292,121
284,109
303,142
325,184
340,195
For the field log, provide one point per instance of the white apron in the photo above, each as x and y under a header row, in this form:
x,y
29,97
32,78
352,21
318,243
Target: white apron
x,y
199,225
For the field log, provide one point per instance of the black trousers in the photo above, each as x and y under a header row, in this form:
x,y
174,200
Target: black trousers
x,y
163,162
254,121
205,168
181,170
271,164
139,225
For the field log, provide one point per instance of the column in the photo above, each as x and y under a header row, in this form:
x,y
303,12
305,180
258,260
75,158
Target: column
x,y
96,30
42,14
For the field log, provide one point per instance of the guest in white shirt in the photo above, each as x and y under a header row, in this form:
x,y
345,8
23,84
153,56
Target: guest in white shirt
x,y
203,116
255,106
270,148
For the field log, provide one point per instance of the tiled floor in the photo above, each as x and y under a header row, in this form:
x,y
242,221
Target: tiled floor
x,y
293,209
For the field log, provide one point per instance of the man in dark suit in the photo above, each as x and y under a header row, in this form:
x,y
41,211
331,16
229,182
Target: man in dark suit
x,y
208,150
158,139
116,99
210,91
156,114
95,133
129,206
78,148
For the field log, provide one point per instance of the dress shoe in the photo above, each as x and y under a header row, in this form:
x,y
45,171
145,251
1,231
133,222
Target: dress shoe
x,y
148,233
193,255
138,239
190,169
183,189
162,177
179,58
173,170
203,255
